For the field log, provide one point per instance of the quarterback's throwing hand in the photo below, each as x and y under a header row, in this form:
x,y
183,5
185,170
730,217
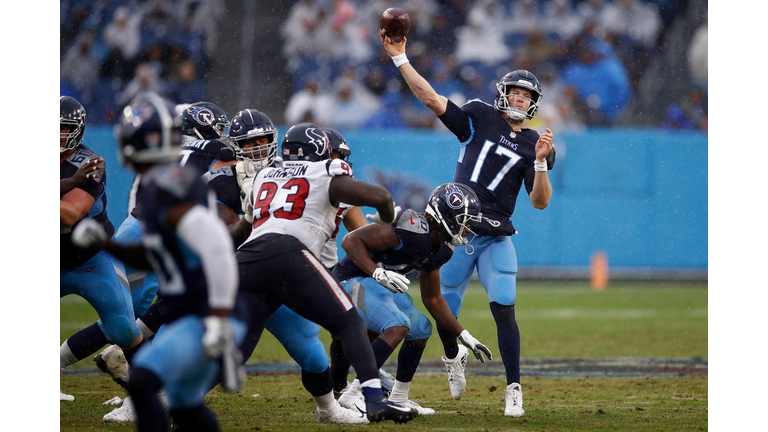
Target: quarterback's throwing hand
x,y
477,348
390,280
89,234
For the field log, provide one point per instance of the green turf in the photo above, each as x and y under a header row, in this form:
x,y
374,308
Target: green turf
x,y
551,404
561,319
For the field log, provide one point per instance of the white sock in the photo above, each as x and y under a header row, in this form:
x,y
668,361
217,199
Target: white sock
x,y
399,394
66,358
371,383
325,402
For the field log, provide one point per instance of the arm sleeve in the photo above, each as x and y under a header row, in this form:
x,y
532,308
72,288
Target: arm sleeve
x,y
207,236
457,121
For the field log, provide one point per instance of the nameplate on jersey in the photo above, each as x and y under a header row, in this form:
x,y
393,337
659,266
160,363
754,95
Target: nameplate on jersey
x,y
297,171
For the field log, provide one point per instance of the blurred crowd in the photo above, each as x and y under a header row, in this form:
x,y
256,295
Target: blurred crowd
x,y
112,50
589,56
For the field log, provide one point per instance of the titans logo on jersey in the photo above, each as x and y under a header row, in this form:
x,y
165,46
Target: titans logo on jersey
x,y
182,280
415,252
494,161
201,154
69,254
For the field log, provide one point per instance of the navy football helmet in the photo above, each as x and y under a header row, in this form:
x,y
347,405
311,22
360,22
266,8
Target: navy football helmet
x,y
523,79
72,114
251,124
148,132
205,120
454,206
305,142
338,144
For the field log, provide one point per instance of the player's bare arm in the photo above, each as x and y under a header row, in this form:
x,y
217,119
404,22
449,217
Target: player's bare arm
x,y
542,189
73,206
359,193
354,219
240,231
370,237
92,169
429,284
419,86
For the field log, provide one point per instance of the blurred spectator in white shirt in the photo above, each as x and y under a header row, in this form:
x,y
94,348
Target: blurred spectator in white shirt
x,y
698,57
560,20
124,32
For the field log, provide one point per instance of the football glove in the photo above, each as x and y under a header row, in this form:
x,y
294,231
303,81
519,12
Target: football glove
x,y
216,330
89,234
390,280
245,172
376,218
477,348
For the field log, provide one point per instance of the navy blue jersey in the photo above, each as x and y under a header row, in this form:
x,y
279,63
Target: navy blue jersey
x,y
494,161
201,154
415,252
223,181
180,270
69,254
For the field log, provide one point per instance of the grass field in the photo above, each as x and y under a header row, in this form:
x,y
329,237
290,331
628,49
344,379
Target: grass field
x,y
561,319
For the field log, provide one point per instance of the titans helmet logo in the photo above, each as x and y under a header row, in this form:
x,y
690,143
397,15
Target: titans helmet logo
x,y
202,115
318,138
454,196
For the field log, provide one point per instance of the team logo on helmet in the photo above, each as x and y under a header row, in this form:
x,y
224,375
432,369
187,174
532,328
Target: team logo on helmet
x,y
454,196
318,139
202,115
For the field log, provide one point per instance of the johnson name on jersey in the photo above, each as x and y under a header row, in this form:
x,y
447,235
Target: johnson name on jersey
x,y
69,254
415,252
295,201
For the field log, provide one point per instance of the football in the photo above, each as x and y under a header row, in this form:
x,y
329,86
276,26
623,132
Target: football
x,y
395,23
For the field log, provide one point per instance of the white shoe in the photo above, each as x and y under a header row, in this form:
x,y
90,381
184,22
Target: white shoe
x,y
387,382
353,398
337,394
65,397
455,368
419,409
339,414
124,414
514,398
112,361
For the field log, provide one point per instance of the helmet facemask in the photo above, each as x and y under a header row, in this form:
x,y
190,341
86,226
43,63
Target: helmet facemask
x,y
502,102
72,139
260,155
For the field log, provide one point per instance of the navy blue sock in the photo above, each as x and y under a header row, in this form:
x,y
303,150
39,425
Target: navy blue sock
x,y
450,346
408,361
87,341
317,384
144,385
509,340
195,419
339,366
371,393
382,351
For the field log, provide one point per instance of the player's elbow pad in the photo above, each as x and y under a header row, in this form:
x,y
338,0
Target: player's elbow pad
x,y
208,237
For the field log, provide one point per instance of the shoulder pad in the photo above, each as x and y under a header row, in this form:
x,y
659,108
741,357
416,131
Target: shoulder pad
x,y
337,167
412,221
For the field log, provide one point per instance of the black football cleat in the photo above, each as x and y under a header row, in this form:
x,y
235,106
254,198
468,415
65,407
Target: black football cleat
x,y
382,409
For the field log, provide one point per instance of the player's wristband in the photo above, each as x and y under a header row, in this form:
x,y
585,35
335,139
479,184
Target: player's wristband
x,y
400,59
540,166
